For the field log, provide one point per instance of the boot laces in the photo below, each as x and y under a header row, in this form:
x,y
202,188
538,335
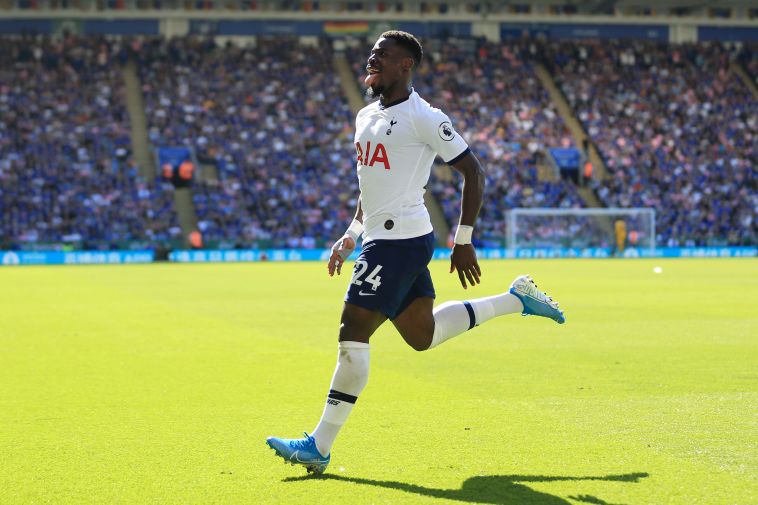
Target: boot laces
x,y
548,299
302,443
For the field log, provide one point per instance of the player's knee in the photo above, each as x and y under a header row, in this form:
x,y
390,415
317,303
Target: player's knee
x,y
421,346
348,331
418,340
355,328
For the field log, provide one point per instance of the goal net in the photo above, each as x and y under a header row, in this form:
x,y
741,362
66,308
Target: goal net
x,y
610,228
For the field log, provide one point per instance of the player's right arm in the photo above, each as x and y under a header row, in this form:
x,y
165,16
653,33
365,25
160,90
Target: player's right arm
x,y
463,257
345,246
436,130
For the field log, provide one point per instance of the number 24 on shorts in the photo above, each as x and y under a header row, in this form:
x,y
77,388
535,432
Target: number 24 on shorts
x,y
372,278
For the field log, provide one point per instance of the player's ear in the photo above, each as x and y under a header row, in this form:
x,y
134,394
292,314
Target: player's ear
x,y
408,64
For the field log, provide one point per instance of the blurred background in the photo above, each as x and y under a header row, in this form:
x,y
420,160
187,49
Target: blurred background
x,y
227,125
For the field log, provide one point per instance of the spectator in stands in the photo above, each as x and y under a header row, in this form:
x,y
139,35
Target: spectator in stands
x,y
673,124
677,131
273,123
66,172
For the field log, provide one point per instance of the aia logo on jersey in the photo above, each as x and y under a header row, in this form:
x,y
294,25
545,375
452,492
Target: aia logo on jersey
x,y
369,158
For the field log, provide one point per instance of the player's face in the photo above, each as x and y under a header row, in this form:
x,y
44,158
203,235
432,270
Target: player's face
x,y
387,66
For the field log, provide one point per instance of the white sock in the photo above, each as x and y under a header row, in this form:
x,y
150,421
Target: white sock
x,y
350,377
453,318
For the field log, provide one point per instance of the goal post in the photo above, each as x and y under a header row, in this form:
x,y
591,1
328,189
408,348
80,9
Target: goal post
x,y
580,228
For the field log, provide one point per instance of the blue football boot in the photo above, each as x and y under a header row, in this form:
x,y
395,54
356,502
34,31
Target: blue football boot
x,y
535,301
301,451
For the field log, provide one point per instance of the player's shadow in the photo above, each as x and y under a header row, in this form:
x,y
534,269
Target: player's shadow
x,y
495,489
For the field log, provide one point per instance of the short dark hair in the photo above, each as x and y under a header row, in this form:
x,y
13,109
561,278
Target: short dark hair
x,y
408,42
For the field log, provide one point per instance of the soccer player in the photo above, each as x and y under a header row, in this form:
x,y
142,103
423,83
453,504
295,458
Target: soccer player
x,y
397,138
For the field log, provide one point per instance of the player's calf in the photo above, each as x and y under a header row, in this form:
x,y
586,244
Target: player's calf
x,y
416,323
456,317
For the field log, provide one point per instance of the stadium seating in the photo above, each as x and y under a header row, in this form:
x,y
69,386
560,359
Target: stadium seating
x,y
748,57
677,130
272,120
66,174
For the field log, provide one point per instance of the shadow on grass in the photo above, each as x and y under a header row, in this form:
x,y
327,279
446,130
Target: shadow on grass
x,y
496,489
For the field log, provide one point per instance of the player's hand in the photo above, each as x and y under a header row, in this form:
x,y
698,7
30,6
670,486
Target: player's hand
x,y
341,250
463,259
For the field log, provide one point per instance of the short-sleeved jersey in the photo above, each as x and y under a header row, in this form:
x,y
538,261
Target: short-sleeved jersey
x,y
396,146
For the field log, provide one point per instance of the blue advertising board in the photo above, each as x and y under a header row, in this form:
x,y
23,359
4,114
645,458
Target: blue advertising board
x,y
41,26
565,158
122,26
727,33
236,255
263,27
243,255
173,156
585,31
437,30
12,258
606,252
318,28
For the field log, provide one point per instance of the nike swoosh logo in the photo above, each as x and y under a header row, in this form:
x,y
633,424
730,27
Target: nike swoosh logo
x,y
361,293
296,459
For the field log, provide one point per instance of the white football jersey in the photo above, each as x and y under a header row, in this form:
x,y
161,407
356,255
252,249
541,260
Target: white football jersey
x,y
396,145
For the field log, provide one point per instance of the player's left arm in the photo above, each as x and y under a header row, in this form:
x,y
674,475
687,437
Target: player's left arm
x,y
463,257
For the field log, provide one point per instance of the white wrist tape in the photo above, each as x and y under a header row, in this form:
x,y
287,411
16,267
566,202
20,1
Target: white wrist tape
x,y
355,230
463,234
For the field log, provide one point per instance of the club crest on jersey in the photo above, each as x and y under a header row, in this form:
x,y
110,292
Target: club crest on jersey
x,y
392,123
370,158
446,131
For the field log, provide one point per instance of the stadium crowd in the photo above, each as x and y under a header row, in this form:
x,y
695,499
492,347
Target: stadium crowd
x,y
677,130
272,119
270,122
67,178
748,57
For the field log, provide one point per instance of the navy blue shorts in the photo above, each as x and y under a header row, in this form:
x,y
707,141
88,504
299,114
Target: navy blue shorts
x,y
390,274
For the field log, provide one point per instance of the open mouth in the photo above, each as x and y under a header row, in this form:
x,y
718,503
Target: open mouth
x,y
372,77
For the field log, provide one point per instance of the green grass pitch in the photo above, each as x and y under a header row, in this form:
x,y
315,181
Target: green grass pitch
x,y
159,384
